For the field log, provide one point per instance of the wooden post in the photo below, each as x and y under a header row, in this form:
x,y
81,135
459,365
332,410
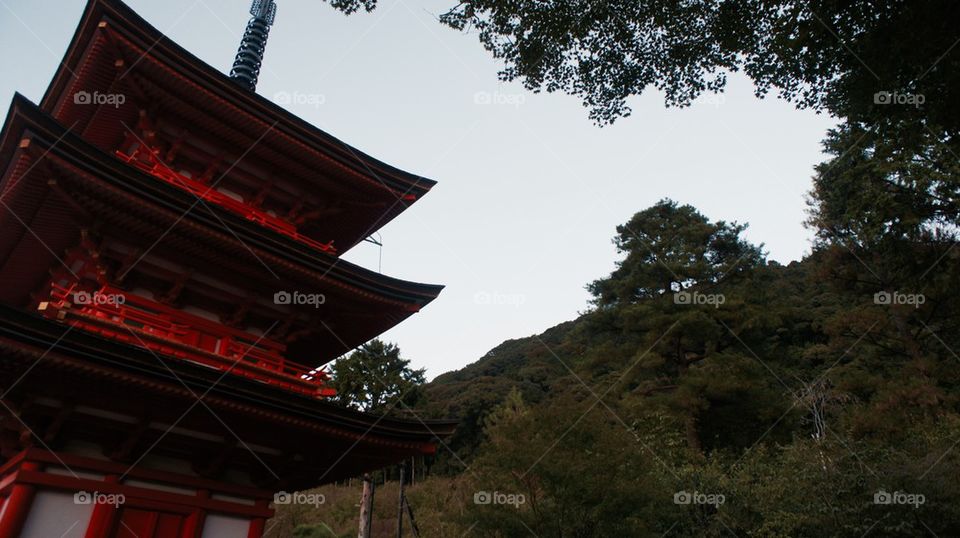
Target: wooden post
x,y
366,507
413,521
403,468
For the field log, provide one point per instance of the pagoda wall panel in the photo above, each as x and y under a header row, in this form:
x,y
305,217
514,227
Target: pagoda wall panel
x,y
55,513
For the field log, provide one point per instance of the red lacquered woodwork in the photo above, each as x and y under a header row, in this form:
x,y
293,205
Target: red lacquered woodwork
x,y
127,317
135,352
147,160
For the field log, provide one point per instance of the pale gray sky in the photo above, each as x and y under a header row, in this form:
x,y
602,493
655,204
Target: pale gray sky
x,y
529,190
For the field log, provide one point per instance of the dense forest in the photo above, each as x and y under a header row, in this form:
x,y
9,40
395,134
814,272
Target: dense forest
x,y
708,391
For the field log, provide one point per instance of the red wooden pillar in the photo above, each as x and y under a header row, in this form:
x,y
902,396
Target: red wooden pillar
x,y
194,524
257,524
104,516
256,528
18,505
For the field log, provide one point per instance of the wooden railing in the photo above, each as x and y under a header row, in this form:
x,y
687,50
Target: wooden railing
x,y
146,160
126,317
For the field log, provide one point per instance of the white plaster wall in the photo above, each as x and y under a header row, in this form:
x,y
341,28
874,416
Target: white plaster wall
x,y
217,526
55,514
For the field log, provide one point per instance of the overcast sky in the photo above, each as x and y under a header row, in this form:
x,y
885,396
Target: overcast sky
x,y
529,192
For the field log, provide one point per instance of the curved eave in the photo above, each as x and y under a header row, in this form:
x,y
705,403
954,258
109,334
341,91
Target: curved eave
x,y
24,117
135,28
34,334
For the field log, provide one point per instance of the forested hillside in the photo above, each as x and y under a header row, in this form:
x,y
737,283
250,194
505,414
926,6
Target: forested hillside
x,y
526,365
709,391
798,396
563,358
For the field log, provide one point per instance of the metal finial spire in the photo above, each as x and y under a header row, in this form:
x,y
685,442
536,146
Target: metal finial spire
x,y
246,68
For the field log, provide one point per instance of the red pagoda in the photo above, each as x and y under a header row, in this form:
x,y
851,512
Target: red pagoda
x,y
170,289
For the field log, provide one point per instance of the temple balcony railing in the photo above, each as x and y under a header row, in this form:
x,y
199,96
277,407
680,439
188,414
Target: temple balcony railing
x,y
146,159
130,318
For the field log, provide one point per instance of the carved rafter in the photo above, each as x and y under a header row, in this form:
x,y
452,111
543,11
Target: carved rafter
x,y
56,426
261,195
16,435
211,170
282,330
237,318
121,66
133,438
147,125
88,254
176,146
295,211
310,216
121,63
69,200
215,467
172,295
293,336
127,264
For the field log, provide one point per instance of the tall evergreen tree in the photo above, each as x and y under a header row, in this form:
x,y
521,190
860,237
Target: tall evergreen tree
x,y
376,379
671,308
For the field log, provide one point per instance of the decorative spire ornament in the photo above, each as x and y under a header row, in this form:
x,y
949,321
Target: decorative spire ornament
x,y
246,67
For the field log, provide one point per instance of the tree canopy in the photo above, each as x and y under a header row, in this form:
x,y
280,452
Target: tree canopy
x,y
823,54
669,248
376,379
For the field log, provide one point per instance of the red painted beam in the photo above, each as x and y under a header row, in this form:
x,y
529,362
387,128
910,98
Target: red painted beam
x,y
18,504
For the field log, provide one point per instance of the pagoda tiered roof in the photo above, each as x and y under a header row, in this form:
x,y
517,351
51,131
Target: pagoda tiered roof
x,y
289,441
56,184
155,220
339,193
